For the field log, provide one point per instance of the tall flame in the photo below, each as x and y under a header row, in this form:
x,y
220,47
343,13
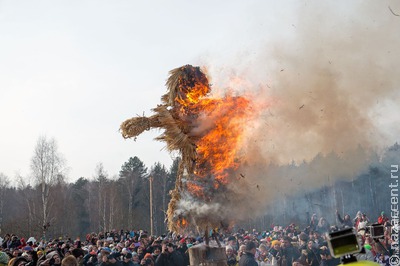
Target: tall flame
x,y
220,124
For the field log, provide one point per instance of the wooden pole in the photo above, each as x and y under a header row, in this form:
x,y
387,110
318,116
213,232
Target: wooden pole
x,y
151,207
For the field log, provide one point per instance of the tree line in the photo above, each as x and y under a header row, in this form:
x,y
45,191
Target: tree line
x,y
52,207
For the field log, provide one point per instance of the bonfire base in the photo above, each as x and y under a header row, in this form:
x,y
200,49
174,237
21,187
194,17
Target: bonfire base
x,y
202,255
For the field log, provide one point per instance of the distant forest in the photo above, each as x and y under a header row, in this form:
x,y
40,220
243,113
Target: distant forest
x,y
54,208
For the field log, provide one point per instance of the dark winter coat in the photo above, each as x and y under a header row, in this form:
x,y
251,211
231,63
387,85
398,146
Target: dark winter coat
x,y
247,259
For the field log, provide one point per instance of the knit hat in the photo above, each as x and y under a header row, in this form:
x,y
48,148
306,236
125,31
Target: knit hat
x,y
275,242
51,255
4,258
148,256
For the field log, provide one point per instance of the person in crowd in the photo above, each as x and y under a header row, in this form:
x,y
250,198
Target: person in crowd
x,y
230,256
4,258
140,252
241,251
357,220
383,219
313,222
52,259
302,260
147,262
303,239
69,260
382,259
289,252
248,259
262,253
326,257
148,256
346,221
169,256
19,261
78,253
318,239
127,260
135,259
14,243
156,251
111,260
275,252
313,254
91,259
323,225
233,243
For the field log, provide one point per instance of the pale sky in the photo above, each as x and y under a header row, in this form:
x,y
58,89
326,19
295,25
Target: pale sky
x,y
75,70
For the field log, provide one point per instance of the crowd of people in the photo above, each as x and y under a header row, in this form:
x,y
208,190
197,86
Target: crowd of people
x,y
279,245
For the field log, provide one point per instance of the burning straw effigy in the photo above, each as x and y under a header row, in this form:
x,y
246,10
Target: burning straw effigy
x,y
205,131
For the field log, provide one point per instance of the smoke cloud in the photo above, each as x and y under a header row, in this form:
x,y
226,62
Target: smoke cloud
x,y
322,96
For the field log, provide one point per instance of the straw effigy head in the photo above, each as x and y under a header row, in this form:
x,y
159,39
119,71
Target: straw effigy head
x,y
183,81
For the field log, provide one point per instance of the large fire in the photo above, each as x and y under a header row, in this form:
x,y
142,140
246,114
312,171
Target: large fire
x,y
208,132
218,148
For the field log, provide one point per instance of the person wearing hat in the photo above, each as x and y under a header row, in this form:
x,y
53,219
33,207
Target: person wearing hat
x,y
52,259
147,260
3,258
275,251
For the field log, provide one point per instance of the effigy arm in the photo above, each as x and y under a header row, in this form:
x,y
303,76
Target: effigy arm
x,y
134,126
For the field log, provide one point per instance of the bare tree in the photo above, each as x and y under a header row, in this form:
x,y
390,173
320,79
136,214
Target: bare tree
x,y
4,183
101,177
28,196
47,165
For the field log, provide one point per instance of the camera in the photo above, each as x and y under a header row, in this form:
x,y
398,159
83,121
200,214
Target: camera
x,y
376,231
343,243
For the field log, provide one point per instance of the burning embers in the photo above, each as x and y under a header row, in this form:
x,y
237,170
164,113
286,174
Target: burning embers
x,y
208,133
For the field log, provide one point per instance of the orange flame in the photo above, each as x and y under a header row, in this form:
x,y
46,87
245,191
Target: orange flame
x,y
195,189
220,124
220,146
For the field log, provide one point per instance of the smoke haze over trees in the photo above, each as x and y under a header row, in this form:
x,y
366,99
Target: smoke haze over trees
x,y
102,203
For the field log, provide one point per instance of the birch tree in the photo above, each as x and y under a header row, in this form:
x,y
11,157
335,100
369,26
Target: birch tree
x,y
101,178
46,165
